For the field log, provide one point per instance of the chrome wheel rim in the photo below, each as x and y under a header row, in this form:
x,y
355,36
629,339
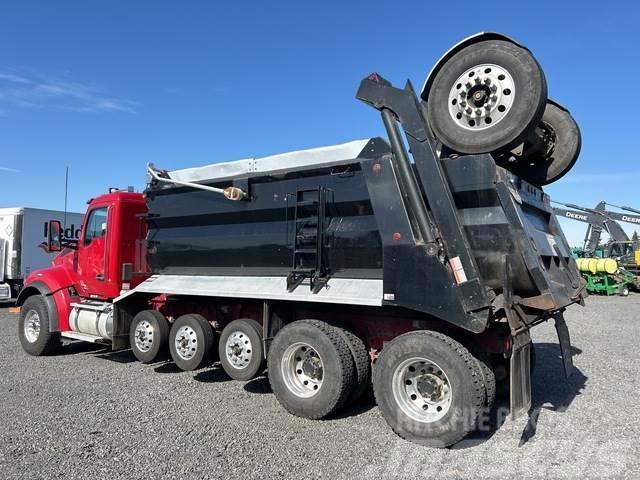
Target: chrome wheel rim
x,y
481,97
186,342
143,336
422,390
31,326
302,370
239,350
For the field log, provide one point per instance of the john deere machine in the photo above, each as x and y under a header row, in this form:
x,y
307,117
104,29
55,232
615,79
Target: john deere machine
x,y
610,268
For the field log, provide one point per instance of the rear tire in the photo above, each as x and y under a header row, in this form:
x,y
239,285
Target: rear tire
x,y
488,376
191,341
624,291
429,388
240,349
33,328
148,335
561,154
361,360
311,369
515,107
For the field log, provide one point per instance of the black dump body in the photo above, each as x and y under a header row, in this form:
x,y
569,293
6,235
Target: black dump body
x,y
475,244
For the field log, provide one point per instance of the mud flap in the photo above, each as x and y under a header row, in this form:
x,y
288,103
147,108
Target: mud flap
x,y
520,375
565,344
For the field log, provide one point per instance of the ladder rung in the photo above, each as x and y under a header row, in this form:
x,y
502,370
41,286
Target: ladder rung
x,y
307,271
307,203
305,250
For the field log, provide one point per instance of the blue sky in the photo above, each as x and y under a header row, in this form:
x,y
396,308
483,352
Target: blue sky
x,y
105,87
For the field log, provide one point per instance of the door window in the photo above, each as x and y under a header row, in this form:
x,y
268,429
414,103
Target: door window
x,y
96,225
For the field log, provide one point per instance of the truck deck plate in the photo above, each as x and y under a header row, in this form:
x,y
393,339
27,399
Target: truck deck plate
x,y
340,290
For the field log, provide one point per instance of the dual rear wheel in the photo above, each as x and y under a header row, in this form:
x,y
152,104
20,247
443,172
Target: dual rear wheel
x,y
315,368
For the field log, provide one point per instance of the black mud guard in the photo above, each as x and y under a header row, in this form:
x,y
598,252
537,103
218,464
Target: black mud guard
x,y
520,374
40,288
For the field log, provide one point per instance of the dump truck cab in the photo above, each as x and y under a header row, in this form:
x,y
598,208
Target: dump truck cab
x,y
96,267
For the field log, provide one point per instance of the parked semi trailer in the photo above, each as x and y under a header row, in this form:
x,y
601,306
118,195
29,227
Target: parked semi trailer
x,y
23,232
431,265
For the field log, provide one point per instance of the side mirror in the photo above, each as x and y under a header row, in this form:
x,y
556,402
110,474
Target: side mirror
x,y
54,236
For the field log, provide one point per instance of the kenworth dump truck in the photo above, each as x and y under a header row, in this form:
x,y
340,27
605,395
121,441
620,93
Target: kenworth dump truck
x,y
420,270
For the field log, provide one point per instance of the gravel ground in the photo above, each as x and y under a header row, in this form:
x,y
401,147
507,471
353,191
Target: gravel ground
x,y
90,413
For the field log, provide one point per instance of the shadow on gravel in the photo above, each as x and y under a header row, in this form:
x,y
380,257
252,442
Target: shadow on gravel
x,y
212,375
73,348
360,406
120,356
167,367
550,391
258,385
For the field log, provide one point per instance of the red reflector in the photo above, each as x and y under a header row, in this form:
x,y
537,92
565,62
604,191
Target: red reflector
x,y
376,168
397,236
373,76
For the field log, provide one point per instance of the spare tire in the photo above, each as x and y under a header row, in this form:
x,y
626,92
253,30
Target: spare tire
x,y
487,98
562,140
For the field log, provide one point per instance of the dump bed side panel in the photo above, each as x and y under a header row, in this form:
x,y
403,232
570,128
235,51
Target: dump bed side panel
x,y
195,232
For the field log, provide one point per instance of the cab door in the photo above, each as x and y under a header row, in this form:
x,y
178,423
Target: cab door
x,y
93,275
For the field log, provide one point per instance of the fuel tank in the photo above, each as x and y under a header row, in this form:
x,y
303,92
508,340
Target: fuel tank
x,y
92,318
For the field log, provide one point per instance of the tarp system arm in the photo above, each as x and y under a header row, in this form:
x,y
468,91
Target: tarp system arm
x,y
231,193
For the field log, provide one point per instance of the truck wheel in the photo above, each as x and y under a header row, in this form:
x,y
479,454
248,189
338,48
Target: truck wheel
x,y
562,142
310,368
429,388
487,97
362,363
240,349
33,328
148,335
191,341
488,376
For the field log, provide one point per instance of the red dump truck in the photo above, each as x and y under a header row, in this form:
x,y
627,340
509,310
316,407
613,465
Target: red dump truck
x,y
420,271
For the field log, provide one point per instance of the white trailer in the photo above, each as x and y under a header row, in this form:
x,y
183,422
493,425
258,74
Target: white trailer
x,y
22,231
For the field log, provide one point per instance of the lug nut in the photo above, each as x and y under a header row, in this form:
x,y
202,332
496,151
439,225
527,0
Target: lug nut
x,y
493,88
477,79
468,110
487,81
478,111
468,85
463,104
487,106
463,93
494,98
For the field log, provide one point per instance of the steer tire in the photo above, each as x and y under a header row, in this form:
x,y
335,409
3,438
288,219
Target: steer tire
x,y
155,328
429,354
195,354
249,333
362,363
524,105
338,369
34,311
